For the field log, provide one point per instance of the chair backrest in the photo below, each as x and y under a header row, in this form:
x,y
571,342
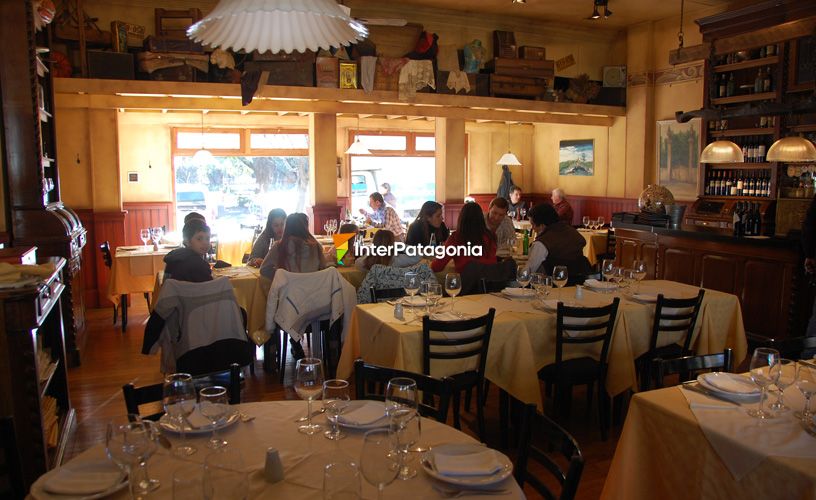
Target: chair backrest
x,y
106,254
585,325
138,396
11,474
370,382
459,346
690,365
676,315
554,437
383,294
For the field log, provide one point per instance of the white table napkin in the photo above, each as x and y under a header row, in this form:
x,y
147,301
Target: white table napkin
x,y
593,283
730,382
365,414
83,479
482,463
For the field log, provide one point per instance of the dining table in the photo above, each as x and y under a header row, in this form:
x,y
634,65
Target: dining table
x,y
523,336
679,444
596,241
133,270
257,427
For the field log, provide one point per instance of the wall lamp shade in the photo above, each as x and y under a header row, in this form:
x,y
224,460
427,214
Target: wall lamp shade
x,y
509,159
357,148
792,149
277,25
722,152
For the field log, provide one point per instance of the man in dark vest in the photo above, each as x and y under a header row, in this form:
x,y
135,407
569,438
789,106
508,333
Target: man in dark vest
x,y
556,244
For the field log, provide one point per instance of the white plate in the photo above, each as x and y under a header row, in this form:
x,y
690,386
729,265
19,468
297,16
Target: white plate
x,y
731,382
600,285
470,481
731,396
382,422
227,421
38,488
519,293
415,301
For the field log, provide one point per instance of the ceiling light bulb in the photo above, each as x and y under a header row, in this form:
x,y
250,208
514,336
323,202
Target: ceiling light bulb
x,y
595,14
519,1
607,12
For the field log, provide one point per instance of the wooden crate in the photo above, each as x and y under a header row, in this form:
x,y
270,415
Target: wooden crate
x,y
174,23
516,86
167,44
306,56
183,73
327,72
535,53
527,68
504,44
394,41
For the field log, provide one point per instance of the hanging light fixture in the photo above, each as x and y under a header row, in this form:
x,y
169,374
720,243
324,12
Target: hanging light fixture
x,y
277,25
596,14
791,150
722,152
357,147
203,156
508,158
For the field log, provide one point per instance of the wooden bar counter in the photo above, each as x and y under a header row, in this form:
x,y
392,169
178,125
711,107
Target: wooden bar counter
x,y
765,273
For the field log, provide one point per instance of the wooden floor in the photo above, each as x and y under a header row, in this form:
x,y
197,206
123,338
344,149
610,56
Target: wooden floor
x,y
111,359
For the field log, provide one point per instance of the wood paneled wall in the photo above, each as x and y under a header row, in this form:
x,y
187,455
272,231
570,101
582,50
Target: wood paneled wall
x,y
146,214
592,206
101,227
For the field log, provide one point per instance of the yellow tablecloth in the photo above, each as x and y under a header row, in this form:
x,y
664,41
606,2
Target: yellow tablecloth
x,y
595,244
663,453
523,338
134,270
233,251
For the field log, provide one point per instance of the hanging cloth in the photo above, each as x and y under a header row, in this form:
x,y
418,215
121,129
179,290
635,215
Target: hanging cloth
x,y
414,76
368,66
505,183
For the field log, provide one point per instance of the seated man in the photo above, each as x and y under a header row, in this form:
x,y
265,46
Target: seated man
x,y
516,205
562,207
499,224
188,263
557,244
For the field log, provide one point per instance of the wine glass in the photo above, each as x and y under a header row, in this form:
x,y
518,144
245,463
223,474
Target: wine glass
x,y
787,376
806,383
341,481
411,283
401,407
600,222
523,213
608,269
156,234
453,285
424,290
144,235
179,400
224,476
523,275
376,459
585,221
560,275
434,295
541,285
213,402
511,214
639,266
335,400
764,372
326,227
309,385
146,484
188,482
127,445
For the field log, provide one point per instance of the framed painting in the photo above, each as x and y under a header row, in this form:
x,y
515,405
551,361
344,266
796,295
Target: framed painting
x,y
678,157
576,157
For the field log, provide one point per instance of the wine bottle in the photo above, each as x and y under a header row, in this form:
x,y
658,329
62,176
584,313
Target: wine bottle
x,y
757,222
730,86
766,81
730,188
761,152
758,81
722,87
740,184
736,220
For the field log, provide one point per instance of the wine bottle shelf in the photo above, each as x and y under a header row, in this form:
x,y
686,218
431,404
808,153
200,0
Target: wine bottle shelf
x,y
739,198
741,132
753,63
734,99
740,166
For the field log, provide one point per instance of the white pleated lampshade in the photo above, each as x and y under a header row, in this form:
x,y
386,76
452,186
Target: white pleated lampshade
x,y
722,152
792,149
203,157
357,148
277,25
508,158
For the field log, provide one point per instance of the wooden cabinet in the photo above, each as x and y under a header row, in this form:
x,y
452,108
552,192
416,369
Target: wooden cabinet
x,y
33,374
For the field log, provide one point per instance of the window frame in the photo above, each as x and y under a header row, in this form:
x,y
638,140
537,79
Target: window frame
x,y
410,141
245,149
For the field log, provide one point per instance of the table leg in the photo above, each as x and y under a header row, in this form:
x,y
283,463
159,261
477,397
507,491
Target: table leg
x,y
124,307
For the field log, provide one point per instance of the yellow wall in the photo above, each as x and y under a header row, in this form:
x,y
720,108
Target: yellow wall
x,y
74,153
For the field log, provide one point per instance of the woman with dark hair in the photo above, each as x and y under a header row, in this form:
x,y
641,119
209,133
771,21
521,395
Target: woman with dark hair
x,y
271,233
385,238
383,216
428,228
297,251
472,232
557,244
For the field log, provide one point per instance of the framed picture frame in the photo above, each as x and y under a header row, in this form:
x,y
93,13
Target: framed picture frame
x,y
576,157
802,67
133,176
678,157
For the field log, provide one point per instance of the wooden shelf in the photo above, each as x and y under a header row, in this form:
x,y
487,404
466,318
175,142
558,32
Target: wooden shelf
x,y
735,99
740,166
741,132
738,198
803,128
751,63
49,374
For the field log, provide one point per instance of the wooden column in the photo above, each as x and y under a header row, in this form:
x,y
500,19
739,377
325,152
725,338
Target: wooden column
x,y
450,167
323,169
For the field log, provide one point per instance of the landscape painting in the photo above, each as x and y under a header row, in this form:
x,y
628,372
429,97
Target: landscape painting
x,y
678,157
577,157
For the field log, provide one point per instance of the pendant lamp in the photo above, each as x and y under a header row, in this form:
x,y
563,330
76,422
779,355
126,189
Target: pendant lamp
x,y
792,150
203,156
509,158
357,147
722,152
277,25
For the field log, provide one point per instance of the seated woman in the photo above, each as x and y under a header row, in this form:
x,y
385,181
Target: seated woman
x,y
470,230
557,244
188,262
385,238
383,216
297,251
271,233
428,228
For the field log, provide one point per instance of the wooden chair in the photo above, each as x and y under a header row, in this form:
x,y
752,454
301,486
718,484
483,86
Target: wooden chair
x,y
370,382
580,325
107,258
138,396
11,473
383,294
446,341
671,316
688,366
555,438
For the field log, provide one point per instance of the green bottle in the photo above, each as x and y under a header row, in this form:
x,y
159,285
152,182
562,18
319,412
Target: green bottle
x,y
525,243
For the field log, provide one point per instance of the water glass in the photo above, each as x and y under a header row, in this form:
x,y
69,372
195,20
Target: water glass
x,y
188,482
600,222
341,481
639,266
309,386
156,234
377,460
764,372
585,221
787,376
434,296
179,400
213,404
424,288
401,402
127,445
523,275
453,285
806,383
224,476
335,400
541,285
560,276
608,269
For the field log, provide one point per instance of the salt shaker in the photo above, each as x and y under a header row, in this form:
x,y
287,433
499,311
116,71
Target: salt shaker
x,y
579,292
273,469
398,311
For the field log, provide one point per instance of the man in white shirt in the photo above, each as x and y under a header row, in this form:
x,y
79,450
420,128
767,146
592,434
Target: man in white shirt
x,y
499,224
